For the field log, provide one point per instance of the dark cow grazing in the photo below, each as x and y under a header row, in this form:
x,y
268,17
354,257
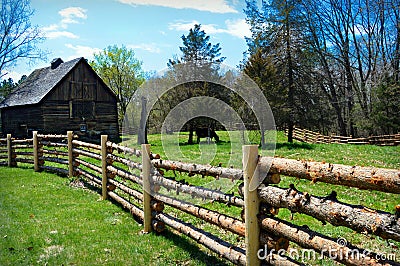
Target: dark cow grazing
x,y
204,132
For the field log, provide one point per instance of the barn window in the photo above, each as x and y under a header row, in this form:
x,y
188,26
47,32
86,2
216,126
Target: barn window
x,y
79,109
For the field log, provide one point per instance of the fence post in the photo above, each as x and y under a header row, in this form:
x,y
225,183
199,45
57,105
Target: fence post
x,y
251,204
104,180
35,152
146,169
10,152
70,137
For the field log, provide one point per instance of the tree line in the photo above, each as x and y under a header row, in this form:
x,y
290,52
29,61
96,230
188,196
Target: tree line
x,y
328,65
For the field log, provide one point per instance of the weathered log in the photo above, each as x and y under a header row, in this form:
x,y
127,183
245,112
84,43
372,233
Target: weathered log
x,y
124,174
57,170
89,165
54,144
341,251
25,153
87,153
86,145
52,136
217,245
54,152
157,225
358,218
124,149
208,170
204,170
89,176
225,222
127,162
155,204
198,192
386,180
54,160
22,141
22,146
24,160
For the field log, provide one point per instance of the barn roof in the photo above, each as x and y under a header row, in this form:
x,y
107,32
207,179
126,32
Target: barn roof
x,y
39,83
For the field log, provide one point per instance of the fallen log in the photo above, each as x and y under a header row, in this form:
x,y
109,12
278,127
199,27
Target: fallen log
x,y
339,249
198,192
386,180
358,218
157,225
155,204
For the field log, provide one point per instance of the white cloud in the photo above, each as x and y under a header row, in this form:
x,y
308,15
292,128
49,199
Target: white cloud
x,y
82,51
58,34
71,14
149,47
214,6
238,28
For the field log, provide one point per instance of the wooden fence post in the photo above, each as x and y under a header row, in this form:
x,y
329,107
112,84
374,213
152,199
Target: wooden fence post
x,y
146,169
104,180
10,152
251,205
70,137
35,152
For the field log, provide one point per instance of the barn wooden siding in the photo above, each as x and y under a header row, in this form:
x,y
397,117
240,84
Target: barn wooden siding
x,y
80,97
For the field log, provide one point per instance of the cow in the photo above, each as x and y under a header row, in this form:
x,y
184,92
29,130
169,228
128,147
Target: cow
x,y
206,132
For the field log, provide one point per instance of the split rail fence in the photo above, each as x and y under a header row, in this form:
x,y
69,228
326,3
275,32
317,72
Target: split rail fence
x,y
305,135
135,179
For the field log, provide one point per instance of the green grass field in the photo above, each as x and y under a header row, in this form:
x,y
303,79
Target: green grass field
x,y
45,221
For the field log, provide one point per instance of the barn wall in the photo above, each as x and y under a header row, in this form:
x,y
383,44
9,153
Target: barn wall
x,y
98,105
18,121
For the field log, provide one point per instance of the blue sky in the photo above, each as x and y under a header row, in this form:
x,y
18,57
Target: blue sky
x,y
152,28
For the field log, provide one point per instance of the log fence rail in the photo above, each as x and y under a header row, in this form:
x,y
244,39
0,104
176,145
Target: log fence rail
x,y
135,179
308,136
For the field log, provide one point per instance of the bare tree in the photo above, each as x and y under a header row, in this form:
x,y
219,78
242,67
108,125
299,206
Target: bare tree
x,y
18,38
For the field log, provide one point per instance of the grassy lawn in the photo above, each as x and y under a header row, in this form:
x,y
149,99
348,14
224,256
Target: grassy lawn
x,y
45,221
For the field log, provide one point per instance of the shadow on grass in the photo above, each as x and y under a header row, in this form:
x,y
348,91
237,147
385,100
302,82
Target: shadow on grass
x,y
294,145
196,254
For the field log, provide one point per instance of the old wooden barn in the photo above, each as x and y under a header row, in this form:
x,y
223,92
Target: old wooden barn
x,y
64,96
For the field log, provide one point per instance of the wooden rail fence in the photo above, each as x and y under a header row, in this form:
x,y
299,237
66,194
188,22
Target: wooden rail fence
x,y
135,179
309,136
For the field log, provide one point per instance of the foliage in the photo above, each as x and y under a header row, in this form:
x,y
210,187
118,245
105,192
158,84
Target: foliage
x,y
330,57
18,38
197,52
121,71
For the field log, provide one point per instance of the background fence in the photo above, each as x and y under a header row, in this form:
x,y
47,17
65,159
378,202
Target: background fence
x,y
309,136
135,179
